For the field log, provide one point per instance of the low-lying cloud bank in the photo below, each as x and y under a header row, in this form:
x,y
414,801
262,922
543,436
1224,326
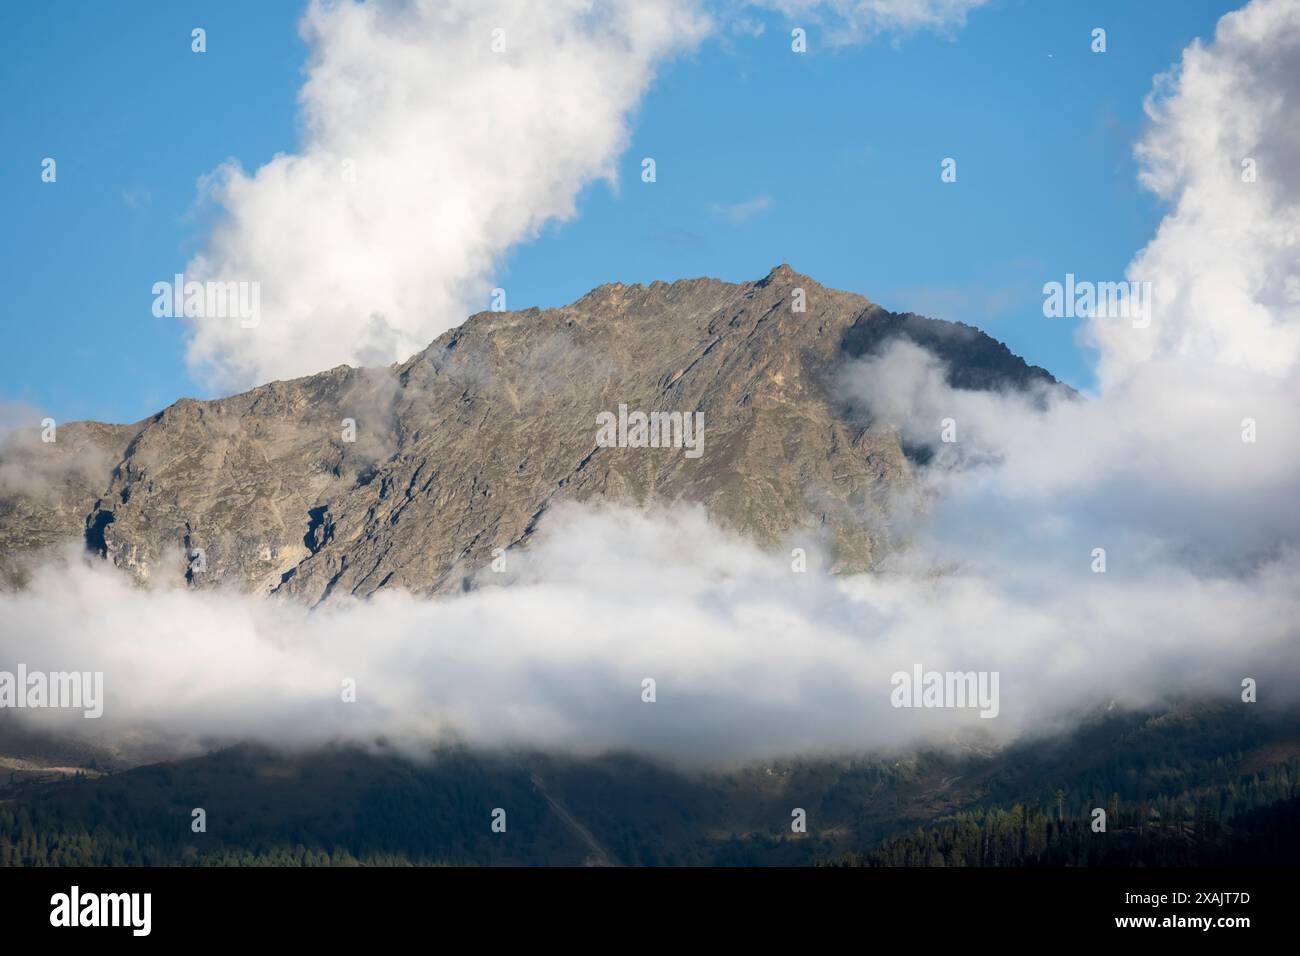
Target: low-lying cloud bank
x,y
749,657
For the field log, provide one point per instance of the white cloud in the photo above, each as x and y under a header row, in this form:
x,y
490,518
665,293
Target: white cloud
x,y
458,153
750,659
748,27
137,197
855,21
741,212
1153,467
1224,262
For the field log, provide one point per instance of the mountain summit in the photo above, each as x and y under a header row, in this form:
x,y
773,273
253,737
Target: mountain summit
x,y
353,480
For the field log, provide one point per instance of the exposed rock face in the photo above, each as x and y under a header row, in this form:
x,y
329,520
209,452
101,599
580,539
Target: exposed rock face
x,y
462,448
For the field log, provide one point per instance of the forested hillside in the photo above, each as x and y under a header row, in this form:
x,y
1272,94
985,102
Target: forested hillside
x,y
1189,785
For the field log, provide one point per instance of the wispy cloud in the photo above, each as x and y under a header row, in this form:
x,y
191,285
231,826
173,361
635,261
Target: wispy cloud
x,y
137,197
742,211
856,21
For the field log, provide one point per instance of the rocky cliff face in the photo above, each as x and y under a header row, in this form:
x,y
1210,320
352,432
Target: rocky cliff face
x,y
353,480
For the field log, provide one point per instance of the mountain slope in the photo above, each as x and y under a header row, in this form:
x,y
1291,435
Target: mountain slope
x,y
1176,784
461,449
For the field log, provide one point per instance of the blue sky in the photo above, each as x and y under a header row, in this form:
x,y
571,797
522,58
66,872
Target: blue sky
x,y
843,147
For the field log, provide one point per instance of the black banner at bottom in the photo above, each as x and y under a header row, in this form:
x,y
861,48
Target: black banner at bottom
x,y
335,905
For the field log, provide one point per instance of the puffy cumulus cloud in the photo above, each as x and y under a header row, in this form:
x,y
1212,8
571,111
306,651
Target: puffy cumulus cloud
x,y
855,21
1222,147
436,135
1155,467
750,658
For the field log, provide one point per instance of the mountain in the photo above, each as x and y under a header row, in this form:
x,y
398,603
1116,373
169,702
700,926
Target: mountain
x,y
461,449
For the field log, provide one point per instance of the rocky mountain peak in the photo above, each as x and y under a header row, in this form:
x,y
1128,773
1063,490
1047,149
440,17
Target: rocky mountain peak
x,y
354,480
